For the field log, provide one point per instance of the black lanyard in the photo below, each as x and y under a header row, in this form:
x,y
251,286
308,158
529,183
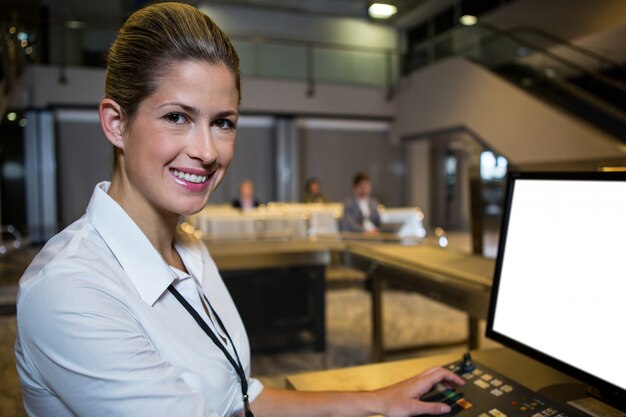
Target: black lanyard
x,y
237,365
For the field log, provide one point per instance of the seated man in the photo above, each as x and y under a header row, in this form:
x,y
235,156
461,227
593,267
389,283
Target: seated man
x,y
360,213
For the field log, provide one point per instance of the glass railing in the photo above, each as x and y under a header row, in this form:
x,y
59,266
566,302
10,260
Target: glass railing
x,y
582,57
580,81
316,62
85,44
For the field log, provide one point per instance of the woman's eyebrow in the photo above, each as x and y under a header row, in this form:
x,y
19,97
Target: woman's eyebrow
x,y
186,107
194,110
227,113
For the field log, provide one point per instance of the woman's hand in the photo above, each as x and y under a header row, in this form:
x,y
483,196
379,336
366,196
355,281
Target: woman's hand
x,y
403,399
398,400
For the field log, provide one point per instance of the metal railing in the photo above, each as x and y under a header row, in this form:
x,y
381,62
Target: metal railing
x,y
567,75
85,43
271,57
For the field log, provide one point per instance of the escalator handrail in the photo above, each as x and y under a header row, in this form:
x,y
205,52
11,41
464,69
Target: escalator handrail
x,y
569,45
503,33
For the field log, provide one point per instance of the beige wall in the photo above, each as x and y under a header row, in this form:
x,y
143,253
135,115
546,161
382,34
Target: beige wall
x,y
455,92
85,87
277,96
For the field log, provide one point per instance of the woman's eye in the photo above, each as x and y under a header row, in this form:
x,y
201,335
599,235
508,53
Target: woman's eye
x,y
225,124
176,118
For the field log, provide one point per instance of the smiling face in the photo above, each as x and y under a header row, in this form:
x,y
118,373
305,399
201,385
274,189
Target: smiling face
x,y
180,142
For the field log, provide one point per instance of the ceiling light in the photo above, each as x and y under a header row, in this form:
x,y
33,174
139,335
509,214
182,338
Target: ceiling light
x,y
382,10
468,20
74,24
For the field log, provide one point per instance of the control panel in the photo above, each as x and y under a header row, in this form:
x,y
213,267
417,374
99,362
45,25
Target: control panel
x,y
488,394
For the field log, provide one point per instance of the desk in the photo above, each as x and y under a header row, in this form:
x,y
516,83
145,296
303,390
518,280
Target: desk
x,y
279,288
460,280
257,254
520,368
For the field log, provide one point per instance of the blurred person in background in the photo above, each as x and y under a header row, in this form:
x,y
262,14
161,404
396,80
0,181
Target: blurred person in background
x,y
313,191
360,212
246,200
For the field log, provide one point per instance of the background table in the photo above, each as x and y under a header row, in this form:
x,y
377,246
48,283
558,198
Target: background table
x,y
459,280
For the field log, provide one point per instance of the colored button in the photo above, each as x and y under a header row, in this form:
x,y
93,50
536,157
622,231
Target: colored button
x,y
477,372
464,404
487,377
453,395
497,413
481,383
496,382
507,388
523,408
496,392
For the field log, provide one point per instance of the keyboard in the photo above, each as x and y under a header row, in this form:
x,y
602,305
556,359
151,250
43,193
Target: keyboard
x,y
489,394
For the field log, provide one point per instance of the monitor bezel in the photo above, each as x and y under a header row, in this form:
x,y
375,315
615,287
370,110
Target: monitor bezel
x,y
611,392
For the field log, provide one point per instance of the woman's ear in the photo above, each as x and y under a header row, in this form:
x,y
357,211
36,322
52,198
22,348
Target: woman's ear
x,y
112,122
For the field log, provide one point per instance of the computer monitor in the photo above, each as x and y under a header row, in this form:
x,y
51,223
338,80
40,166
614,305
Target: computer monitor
x,y
559,289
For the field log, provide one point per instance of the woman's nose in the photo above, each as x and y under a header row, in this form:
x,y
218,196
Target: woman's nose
x,y
203,147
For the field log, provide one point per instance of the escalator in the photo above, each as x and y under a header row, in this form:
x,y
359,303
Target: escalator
x,y
580,82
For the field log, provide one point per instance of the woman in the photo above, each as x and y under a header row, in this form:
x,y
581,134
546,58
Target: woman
x,y
123,315
313,191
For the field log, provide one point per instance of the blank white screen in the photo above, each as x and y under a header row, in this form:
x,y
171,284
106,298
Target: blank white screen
x,y
563,278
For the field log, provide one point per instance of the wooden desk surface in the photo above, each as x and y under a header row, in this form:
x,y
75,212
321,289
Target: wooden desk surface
x,y
511,364
258,254
429,259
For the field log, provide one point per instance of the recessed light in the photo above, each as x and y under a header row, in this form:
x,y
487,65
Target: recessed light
x,y
382,10
468,20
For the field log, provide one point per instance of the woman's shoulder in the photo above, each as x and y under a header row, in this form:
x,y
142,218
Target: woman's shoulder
x,y
75,258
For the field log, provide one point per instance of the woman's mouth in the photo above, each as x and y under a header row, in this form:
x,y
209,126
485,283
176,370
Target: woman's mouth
x,y
193,178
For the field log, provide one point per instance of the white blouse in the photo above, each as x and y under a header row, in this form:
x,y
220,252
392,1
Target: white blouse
x,y
99,334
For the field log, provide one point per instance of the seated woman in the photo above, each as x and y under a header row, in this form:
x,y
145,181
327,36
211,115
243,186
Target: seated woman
x,y
121,313
313,192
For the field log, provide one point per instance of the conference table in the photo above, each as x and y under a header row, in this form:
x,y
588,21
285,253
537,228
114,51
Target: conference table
x,y
459,280
290,273
279,288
